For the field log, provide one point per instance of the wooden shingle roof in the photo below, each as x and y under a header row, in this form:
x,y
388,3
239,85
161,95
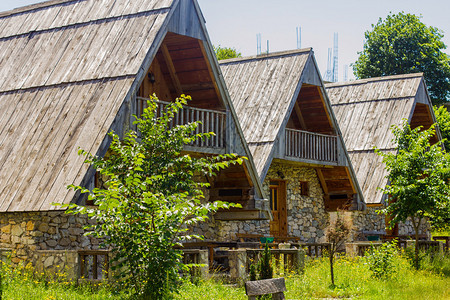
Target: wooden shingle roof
x,y
262,89
266,91
65,69
68,72
366,109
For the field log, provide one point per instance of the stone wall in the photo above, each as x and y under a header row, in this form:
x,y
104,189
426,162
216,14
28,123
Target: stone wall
x,y
370,222
307,217
53,262
24,233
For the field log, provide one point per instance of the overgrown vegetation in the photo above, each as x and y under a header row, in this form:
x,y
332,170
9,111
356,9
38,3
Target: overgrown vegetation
x,y
355,280
443,121
381,260
150,198
418,177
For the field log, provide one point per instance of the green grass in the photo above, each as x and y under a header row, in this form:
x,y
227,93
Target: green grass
x,y
353,280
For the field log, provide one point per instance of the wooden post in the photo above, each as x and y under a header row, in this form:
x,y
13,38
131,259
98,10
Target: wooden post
x,y
94,266
238,264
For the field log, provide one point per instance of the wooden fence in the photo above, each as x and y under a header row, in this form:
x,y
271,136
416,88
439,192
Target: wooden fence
x,y
211,121
287,259
309,145
315,250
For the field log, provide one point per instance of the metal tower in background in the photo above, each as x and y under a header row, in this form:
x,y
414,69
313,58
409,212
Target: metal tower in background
x,y
345,73
335,58
258,44
328,76
299,37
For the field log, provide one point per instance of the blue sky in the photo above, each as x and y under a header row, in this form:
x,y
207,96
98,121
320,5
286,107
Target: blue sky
x,y
235,23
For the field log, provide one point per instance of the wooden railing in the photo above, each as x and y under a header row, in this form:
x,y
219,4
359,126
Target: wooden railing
x,y
94,264
445,239
211,121
287,259
309,145
315,250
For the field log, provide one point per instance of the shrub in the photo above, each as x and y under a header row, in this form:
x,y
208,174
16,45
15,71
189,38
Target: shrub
x,y
265,264
381,260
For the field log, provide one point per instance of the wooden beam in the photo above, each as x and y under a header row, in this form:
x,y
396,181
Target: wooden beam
x,y
325,109
211,73
300,116
173,73
322,181
351,181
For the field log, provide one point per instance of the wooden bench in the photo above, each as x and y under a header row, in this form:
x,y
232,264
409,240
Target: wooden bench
x,y
275,286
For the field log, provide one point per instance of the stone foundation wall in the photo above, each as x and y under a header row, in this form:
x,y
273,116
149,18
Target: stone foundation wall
x,y
53,262
24,233
370,222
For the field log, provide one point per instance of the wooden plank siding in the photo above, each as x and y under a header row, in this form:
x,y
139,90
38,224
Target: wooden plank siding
x,y
366,110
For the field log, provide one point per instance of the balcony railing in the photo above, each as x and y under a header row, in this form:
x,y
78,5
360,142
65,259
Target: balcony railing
x,y
211,121
311,146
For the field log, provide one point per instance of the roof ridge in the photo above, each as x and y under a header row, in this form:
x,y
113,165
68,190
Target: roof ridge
x,y
35,6
266,56
373,79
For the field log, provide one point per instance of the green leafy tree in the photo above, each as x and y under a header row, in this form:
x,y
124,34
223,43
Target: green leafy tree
x,y
418,179
150,199
443,121
226,53
402,44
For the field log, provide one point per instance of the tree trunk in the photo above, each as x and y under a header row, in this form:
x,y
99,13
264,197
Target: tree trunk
x,y
416,250
331,265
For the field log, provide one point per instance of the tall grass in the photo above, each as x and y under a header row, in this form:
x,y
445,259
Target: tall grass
x,y
23,282
354,279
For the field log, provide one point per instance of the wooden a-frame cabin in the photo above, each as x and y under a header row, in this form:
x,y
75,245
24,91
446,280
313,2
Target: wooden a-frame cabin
x,y
366,109
73,70
295,141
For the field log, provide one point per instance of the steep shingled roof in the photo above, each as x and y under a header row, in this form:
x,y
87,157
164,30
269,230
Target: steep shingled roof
x,y
265,90
67,70
262,90
366,109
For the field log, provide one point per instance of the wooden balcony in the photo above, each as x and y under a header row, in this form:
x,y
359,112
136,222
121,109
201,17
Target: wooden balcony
x,y
211,121
310,146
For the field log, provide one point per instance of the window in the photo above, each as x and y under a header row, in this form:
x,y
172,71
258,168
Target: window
x,y
304,191
274,198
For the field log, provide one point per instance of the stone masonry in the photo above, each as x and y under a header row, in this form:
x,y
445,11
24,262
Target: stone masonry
x,y
370,222
24,233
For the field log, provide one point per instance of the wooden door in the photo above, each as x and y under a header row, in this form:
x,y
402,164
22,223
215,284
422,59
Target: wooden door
x,y
278,227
